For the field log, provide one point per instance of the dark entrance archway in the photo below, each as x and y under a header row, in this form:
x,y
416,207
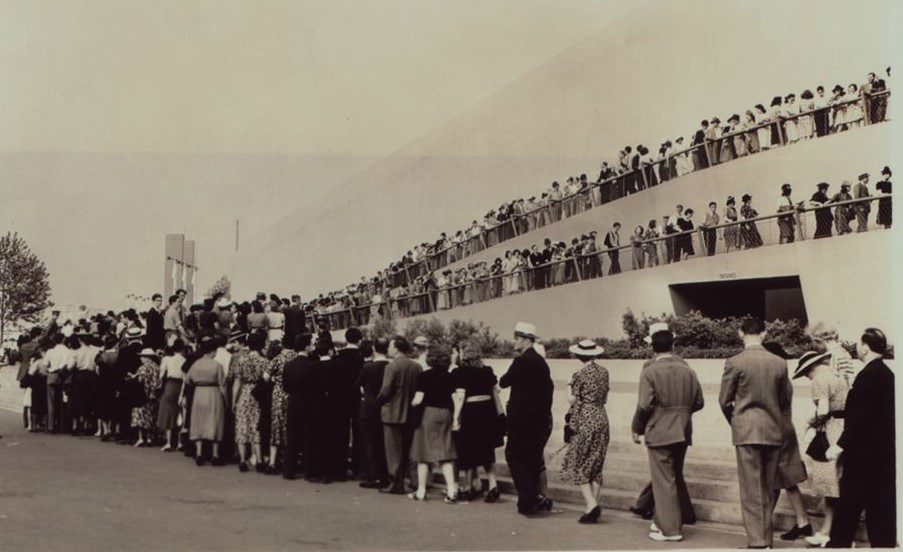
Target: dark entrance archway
x,y
770,298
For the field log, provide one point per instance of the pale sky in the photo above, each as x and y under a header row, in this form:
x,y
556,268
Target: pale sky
x,y
123,121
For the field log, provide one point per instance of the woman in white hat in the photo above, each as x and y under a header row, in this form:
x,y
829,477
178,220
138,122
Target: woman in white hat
x,y
144,415
829,393
585,457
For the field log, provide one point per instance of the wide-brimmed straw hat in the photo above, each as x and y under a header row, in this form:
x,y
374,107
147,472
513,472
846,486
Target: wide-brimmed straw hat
x,y
586,348
808,361
148,352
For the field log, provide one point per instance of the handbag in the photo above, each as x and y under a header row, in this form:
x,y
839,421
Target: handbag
x,y
158,391
568,428
818,447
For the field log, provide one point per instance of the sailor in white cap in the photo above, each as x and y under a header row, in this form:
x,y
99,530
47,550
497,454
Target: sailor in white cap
x,y
529,420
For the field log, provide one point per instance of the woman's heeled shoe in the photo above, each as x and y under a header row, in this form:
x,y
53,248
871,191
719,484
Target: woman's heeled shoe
x,y
242,467
199,461
492,495
592,516
417,497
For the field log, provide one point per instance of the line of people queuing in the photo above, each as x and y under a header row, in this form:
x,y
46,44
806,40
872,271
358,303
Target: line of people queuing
x,y
676,237
385,411
849,444
785,121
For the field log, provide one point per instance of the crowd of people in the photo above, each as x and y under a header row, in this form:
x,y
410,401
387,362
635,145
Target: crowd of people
x,y
850,447
386,411
674,238
785,121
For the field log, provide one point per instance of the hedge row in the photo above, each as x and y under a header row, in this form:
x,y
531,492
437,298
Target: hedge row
x,y
697,336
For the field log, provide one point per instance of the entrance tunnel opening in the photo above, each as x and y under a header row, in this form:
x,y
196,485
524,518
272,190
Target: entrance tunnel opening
x,y
769,298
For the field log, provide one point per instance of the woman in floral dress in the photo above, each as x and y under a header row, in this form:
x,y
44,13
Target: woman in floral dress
x,y
249,370
585,456
144,416
279,410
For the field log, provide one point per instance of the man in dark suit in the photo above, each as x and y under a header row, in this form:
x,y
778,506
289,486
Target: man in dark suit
x,y
295,323
300,379
529,420
373,469
755,398
867,453
399,380
612,242
154,336
348,362
669,393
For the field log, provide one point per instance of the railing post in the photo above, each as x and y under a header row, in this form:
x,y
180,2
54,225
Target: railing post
x,y
577,268
514,226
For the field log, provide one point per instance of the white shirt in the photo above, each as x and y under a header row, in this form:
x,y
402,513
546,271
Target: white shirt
x,y
171,367
59,358
224,358
84,358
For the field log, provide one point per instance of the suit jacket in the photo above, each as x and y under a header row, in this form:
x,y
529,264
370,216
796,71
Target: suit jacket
x,y
399,381
155,335
294,324
668,395
349,362
303,381
755,396
531,389
868,432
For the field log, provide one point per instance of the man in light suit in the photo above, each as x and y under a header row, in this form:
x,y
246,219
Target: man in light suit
x,y
755,398
669,393
399,380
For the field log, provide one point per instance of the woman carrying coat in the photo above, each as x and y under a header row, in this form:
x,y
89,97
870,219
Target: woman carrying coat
x,y
587,418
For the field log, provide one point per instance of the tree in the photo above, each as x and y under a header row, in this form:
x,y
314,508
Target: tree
x,y
24,286
221,287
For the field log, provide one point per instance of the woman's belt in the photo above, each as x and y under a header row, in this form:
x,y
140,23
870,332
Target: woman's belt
x,y
206,384
839,414
275,327
478,398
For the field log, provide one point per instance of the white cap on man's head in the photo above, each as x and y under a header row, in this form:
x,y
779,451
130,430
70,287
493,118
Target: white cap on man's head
x,y
525,329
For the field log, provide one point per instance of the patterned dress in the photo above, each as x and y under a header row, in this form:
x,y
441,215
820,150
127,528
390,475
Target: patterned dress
x,y
828,385
280,403
249,370
145,416
585,456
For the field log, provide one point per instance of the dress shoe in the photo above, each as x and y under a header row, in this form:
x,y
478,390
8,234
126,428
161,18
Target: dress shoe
x,y
392,490
492,495
199,461
796,532
660,537
592,516
546,504
242,467
217,461
818,540
642,513
369,485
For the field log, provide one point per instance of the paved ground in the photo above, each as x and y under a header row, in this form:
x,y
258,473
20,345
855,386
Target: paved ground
x,y
75,493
